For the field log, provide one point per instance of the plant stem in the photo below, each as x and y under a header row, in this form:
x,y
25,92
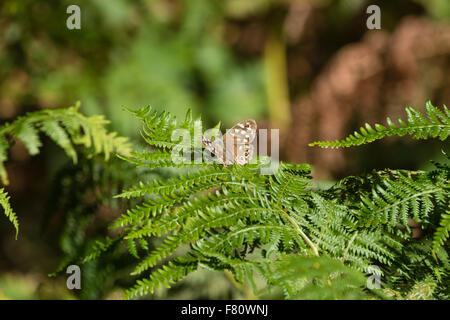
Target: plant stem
x,y
302,234
248,293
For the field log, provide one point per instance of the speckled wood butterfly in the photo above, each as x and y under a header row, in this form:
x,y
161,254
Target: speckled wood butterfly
x,y
236,145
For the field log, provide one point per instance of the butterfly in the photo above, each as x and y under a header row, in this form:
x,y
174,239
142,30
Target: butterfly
x,y
236,145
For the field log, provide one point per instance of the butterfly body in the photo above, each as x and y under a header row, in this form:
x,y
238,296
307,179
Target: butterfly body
x,y
235,146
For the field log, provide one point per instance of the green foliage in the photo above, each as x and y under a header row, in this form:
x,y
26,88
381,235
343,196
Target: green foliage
x,y
416,195
68,128
315,278
10,214
442,233
76,217
438,9
435,124
398,197
234,218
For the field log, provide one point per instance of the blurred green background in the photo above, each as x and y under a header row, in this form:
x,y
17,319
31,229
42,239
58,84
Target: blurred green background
x,y
308,67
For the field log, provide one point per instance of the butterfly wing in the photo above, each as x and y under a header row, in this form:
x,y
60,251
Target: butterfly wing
x,y
215,147
244,154
241,137
243,132
236,145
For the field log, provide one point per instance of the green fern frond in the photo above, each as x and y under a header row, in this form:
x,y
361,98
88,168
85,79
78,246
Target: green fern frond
x,y
132,248
59,136
4,146
193,182
67,127
159,126
442,232
291,180
314,278
435,124
8,211
393,201
164,276
95,134
234,218
99,248
25,131
142,212
152,159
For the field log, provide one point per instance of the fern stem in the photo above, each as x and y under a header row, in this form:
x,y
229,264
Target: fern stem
x,y
301,233
248,293
235,233
283,190
348,246
416,195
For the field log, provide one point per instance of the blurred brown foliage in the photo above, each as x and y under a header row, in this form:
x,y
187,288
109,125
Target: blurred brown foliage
x,y
368,81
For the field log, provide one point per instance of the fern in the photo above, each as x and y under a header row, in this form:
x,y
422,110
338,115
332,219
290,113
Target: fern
x,y
67,127
434,124
314,278
442,232
10,214
394,200
233,218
